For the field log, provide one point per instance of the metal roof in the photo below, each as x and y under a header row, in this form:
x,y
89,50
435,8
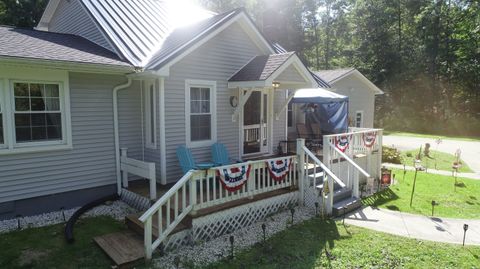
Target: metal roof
x,y
261,67
138,29
33,44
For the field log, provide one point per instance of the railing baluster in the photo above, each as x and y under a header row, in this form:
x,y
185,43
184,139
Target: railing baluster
x,y
160,221
214,183
176,205
208,186
168,214
184,197
201,189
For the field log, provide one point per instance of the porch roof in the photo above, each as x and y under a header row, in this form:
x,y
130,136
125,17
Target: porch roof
x,y
262,70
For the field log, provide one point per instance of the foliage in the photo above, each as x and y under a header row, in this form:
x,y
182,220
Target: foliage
x,y
303,246
46,247
443,160
391,155
464,202
21,13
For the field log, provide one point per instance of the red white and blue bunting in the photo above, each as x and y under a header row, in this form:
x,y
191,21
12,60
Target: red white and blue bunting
x,y
233,178
369,139
278,169
342,142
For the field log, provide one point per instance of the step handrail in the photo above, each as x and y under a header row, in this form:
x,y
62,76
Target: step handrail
x,y
352,162
168,195
323,166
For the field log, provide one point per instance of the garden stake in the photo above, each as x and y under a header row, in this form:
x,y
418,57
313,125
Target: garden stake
x,y
413,188
176,262
18,221
264,228
292,210
433,206
465,228
316,208
63,213
232,239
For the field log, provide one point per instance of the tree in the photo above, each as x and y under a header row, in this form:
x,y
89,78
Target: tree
x,y
21,13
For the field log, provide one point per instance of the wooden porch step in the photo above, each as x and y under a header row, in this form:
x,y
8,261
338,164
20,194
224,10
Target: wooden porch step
x,y
123,248
137,226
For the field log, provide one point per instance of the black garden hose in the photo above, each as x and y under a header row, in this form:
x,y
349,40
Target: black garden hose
x,y
83,209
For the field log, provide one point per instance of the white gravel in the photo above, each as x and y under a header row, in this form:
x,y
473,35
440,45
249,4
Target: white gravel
x,y
117,210
219,248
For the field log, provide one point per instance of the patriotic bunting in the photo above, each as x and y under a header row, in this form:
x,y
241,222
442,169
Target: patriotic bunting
x,y
233,178
342,142
369,139
278,169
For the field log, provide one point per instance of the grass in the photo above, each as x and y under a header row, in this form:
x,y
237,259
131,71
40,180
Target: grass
x,y
303,246
46,247
443,160
464,202
463,138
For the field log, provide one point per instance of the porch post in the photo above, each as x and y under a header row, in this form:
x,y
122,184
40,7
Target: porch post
x,y
301,170
379,153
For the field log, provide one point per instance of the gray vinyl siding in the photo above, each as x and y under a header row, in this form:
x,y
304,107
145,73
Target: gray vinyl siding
x,y
91,162
216,60
72,18
130,120
291,75
279,126
360,98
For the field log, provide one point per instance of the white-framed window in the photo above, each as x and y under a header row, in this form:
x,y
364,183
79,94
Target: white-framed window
x,y
150,94
34,116
200,112
359,119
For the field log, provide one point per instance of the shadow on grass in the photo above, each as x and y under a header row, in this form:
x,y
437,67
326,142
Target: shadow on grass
x,y
301,246
381,198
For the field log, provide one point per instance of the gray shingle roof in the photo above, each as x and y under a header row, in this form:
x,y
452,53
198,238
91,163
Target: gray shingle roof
x,y
332,75
33,44
261,67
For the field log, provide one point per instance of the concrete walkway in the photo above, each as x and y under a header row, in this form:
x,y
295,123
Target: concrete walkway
x,y
416,226
433,171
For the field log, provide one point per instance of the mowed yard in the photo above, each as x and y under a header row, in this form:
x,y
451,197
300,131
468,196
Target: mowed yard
x,y
460,201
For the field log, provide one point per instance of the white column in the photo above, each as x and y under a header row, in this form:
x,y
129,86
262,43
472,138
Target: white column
x,y
301,170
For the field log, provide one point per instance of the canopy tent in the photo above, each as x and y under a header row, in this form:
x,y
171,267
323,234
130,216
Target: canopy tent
x,y
324,107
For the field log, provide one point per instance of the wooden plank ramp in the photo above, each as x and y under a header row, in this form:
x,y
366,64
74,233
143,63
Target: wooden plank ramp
x,y
123,248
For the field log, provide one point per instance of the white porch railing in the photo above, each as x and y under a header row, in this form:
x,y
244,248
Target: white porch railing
x,y
360,148
251,133
200,189
138,168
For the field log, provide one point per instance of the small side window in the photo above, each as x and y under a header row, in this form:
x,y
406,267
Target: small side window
x,y
359,119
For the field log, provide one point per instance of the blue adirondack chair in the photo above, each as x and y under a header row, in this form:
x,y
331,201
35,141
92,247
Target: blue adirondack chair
x,y
187,162
220,155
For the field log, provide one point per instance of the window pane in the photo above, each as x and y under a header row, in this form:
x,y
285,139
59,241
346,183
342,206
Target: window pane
x,y
54,119
22,120
205,94
39,133
51,90
194,93
23,134
52,104
54,132
36,90
205,106
39,119
200,127
195,106
37,104
21,89
22,104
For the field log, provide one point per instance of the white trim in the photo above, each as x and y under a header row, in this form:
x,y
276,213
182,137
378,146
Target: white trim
x,y
213,112
361,118
163,144
150,111
3,116
12,74
47,15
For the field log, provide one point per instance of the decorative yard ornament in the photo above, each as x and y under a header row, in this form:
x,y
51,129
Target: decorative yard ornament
x,y
369,139
234,177
433,206
232,240
279,168
465,228
342,142
264,229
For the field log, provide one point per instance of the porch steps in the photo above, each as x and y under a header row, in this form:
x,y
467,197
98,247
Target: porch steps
x,y
124,248
346,205
137,226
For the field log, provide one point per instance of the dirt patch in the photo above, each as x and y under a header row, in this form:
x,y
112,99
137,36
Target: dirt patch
x,y
30,256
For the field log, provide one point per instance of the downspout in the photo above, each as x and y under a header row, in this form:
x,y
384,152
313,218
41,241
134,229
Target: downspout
x,y
116,89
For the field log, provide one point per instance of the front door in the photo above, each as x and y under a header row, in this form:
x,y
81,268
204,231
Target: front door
x,y
255,123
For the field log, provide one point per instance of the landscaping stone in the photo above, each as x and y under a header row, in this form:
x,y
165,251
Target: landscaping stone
x,y
219,248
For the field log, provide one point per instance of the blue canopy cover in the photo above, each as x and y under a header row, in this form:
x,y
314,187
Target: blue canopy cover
x,y
324,107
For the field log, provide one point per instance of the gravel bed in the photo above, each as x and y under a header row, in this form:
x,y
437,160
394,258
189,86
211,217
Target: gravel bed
x,y
117,210
219,248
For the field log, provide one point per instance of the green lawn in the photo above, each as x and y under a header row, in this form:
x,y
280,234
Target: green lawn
x,y
463,138
46,247
463,203
302,246
443,160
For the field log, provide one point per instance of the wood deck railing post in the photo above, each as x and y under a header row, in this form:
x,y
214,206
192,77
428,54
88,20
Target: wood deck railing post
x,y
193,194
148,239
301,171
123,158
153,181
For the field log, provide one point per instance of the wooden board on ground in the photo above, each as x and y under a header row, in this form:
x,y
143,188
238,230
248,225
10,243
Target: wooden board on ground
x,y
122,247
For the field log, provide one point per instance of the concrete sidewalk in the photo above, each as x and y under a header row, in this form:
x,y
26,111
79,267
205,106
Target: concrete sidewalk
x,y
416,226
433,171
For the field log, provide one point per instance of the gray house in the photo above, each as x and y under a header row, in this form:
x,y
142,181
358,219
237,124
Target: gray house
x,y
97,76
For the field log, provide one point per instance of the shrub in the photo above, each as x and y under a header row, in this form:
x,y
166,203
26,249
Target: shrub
x,y
391,155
